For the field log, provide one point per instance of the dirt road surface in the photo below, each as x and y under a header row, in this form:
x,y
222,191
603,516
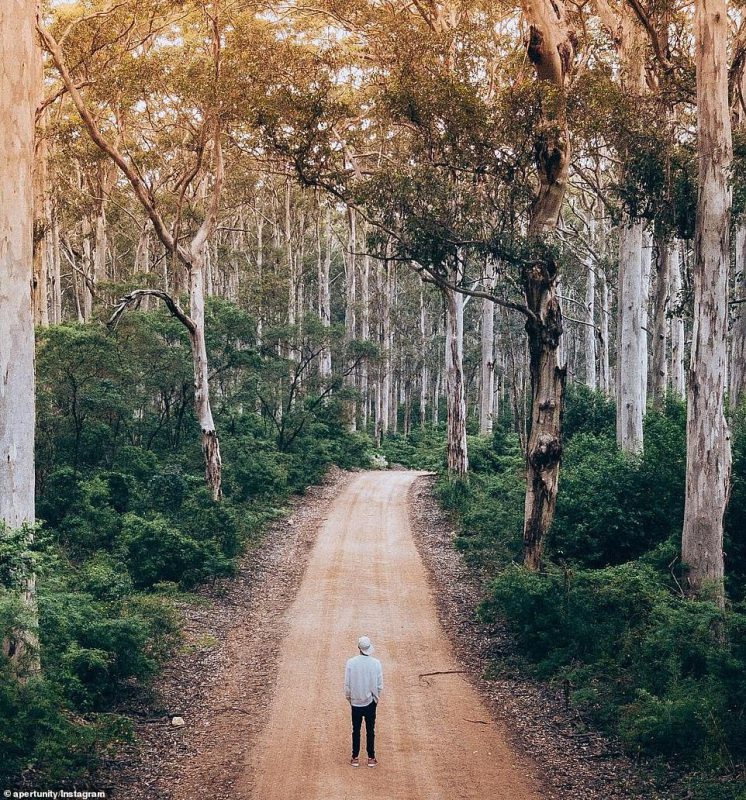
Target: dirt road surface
x,y
435,739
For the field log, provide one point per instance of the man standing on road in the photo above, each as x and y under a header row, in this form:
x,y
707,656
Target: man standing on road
x,y
363,686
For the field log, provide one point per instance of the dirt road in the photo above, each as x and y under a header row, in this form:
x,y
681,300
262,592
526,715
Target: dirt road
x,y
435,738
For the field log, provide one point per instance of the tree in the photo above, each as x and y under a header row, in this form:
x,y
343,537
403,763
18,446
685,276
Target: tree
x,y
708,462
192,256
18,101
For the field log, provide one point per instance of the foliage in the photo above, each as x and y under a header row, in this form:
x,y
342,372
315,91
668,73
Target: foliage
x,y
127,519
606,614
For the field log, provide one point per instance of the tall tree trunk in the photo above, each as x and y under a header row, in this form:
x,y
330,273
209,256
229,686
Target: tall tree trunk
x,y
544,446
589,330
678,334
630,405
457,454
708,455
41,229
210,443
424,371
55,287
385,268
86,265
365,336
487,382
738,341
551,50
18,98
605,372
292,275
259,278
351,303
647,266
325,312
659,361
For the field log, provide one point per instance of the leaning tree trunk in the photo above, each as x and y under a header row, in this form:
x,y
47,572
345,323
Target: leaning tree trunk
x,y
708,453
18,98
551,51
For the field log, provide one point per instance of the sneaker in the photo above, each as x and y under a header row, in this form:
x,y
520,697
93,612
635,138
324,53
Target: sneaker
x,y
355,762
372,762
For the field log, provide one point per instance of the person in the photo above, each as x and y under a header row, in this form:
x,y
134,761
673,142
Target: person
x,y
363,687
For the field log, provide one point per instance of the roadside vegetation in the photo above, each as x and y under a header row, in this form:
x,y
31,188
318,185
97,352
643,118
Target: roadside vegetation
x,y
127,523
605,618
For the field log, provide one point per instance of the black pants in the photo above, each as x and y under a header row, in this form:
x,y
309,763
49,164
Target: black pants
x,y
369,714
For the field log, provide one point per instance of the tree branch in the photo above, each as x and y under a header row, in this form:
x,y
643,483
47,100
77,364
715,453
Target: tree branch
x,y
135,296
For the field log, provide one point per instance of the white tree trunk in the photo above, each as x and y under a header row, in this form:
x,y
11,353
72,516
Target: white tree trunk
x,y
210,443
365,336
708,455
678,337
385,268
605,371
41,229
458,461
487,382
647,266
86,265
55,287
659,338
21,61
589,330
738,342
259,278
424,371
630,402
350,303
325,302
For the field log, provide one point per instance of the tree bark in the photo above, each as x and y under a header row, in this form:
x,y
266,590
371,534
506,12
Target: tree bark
x,y
605,372
424,371
678,335
551,49
737,372
487,382
41,229
589,330
708,456
659,360
457,453
351,303
630,405
21,61
325,303
544,446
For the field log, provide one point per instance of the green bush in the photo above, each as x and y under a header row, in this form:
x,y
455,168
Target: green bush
x,y
662,673
158,551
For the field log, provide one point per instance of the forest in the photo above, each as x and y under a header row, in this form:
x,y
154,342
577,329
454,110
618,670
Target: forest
x,y
243,242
